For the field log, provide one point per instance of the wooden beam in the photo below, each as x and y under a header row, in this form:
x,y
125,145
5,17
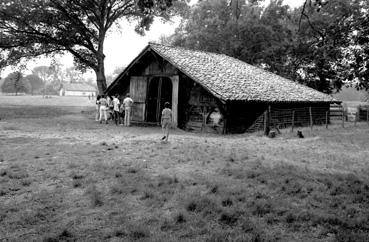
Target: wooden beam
x,y
175,94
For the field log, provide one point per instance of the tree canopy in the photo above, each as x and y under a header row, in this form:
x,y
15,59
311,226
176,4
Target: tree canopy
x,y
14,83
323,44
36,83
30,28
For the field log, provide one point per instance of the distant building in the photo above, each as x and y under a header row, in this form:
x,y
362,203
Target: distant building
x,y
350,94
77,89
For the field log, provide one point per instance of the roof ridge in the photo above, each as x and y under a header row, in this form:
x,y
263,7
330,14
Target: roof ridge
x,y
188,49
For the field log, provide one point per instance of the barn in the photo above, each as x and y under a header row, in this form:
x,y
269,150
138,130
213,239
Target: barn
x,y
208,92
77,89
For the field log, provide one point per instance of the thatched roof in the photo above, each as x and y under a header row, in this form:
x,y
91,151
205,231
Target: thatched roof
x,y
83,87
230,79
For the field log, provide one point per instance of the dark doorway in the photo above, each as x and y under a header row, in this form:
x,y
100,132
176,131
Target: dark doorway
x,y
159,92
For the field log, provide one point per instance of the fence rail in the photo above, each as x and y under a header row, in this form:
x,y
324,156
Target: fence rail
x,y
274,118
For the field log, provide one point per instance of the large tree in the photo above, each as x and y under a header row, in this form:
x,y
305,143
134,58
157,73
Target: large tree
x,y
15,83
30,28
36,83
326,44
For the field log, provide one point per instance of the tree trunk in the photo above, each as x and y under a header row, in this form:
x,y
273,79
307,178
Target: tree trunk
x,y
100,80
100,70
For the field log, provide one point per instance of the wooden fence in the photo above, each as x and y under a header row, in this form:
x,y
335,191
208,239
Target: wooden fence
x,y
305,117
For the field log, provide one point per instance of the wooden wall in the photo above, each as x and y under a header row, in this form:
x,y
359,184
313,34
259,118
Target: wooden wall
x,y
196,106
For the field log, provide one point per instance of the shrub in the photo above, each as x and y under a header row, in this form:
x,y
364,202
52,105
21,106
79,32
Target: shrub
x,y
139,233
147,195
132,170
262,207
26,182
229,218
117,189
65,235
202,204
95,195
180,217
227,202
3,172
3,192
118,174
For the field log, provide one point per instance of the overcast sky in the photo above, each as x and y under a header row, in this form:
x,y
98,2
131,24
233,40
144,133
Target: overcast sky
x,y
122,47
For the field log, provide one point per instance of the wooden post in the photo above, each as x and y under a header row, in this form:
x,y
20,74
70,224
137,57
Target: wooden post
x,y
225,119
293,120
265,122
203,113
326,120
311,118
343,117
356,115
175,94
269,116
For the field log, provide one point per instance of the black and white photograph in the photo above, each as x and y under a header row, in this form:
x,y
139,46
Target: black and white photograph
x,y
184,120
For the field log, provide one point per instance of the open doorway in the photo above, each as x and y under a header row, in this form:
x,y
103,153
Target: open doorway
x,y
159,92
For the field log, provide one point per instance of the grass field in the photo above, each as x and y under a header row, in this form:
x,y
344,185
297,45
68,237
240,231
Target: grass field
x,y
64,177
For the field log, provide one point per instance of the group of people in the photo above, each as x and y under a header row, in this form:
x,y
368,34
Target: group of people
x,y
111,108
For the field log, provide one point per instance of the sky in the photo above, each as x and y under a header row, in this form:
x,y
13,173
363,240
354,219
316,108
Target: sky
x,y
121,47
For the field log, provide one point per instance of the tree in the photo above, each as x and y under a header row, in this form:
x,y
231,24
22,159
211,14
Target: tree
x,y
245,31
357,54
30,28
323,44
43,72
326,33
36,83
72,75
14,83
47,75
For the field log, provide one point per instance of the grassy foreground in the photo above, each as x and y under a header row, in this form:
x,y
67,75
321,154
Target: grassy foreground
x,y
63,177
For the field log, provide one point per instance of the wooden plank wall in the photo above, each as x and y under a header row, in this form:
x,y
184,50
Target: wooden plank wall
x,y
200,106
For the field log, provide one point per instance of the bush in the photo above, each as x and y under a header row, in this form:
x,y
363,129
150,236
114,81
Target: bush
x,y
95,195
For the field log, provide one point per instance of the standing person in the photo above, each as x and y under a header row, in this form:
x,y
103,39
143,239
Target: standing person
x,y
166,121
110,109
103,109
116,104
97,115
121,114
127,103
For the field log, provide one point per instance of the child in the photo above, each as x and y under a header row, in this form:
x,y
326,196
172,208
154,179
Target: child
x,y
166,120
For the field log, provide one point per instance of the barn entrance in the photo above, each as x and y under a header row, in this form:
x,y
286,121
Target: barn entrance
x,y
159,92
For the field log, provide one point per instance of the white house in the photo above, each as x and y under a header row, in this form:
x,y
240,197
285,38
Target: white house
x,y
77,89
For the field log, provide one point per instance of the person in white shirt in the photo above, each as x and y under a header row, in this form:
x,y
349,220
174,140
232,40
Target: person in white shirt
x,y
116,104
103,109
166,121
127,103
